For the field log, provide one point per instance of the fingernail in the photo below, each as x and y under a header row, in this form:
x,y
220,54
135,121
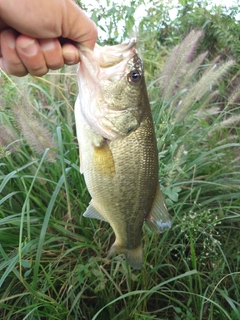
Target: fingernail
x,y
47,44
10,39
30,47
70,57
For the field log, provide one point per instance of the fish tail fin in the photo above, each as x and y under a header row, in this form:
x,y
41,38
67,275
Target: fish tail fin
x,y
134,256
159,219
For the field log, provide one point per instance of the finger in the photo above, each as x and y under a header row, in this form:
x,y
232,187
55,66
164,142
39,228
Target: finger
x,y
31,55
10,62
70,54
52,52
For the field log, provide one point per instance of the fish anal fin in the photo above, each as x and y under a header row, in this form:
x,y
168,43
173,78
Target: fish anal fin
x,y
92,212
159,219
134,256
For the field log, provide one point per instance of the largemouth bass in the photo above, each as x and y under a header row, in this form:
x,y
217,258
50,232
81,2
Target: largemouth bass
x,y
118,151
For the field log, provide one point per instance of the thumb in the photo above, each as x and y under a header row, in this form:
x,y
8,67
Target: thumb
x,y
77,26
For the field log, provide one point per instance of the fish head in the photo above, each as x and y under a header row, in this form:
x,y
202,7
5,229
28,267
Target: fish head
x,y
111,88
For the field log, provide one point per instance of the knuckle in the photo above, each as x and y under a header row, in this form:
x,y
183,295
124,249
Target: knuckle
x,y
36,67
55,66
38,72
15,68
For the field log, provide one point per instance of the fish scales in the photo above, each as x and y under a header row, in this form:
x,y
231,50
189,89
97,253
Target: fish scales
x,y
118,153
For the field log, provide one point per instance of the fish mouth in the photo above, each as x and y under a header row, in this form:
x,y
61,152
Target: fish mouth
x,y
108,56
113,55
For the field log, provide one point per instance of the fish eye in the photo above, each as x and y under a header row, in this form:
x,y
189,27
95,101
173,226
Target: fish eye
x,y
134,76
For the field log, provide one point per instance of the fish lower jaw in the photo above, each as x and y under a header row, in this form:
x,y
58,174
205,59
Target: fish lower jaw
x,y
133,256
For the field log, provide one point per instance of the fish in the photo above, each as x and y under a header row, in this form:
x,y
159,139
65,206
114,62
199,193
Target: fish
x,y
117,146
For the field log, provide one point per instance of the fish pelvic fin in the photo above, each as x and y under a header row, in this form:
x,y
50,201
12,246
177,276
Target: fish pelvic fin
x,y
92,212
159,219
134,256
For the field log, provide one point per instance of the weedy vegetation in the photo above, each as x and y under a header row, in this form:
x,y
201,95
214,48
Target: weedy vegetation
x,y
52,260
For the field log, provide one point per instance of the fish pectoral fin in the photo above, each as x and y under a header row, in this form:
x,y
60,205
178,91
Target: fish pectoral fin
x,y
134,256
103,160
159,219
91,212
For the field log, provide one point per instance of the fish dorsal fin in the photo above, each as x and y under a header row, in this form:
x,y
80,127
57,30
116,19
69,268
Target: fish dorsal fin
x,y
159,219
91,212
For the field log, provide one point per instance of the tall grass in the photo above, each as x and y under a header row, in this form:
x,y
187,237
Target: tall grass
x,y
52,260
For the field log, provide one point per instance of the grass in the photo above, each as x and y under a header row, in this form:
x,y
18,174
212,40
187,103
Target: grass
x,y
52,260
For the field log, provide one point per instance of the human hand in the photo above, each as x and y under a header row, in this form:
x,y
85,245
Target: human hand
x,y
31,33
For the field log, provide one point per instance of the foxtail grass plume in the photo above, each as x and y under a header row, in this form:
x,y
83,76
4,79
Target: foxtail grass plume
x,y
176,65
231,122
234,96
8,140
180,77
200,88
38,137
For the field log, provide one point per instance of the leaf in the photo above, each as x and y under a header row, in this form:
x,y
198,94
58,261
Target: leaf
x,y
100,287
129,23
27,273
25,264
172,193
94,17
